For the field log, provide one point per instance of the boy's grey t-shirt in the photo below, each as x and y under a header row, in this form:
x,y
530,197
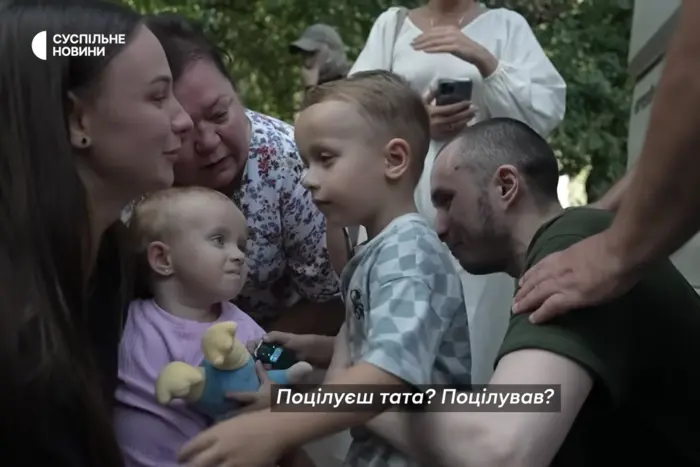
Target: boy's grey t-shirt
x,y
405,313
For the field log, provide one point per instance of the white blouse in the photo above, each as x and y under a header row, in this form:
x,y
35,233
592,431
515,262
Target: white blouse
x,y
525,86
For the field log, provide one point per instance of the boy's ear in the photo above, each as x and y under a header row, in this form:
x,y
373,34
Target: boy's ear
x,y
397,158
158,254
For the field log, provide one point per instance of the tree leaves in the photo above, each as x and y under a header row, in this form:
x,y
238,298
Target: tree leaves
x,y
586,40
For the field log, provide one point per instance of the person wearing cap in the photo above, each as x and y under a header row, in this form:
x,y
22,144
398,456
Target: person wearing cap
x,y
323,55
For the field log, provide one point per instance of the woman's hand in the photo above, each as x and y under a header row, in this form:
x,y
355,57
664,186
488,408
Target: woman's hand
x,y
448,120
451,40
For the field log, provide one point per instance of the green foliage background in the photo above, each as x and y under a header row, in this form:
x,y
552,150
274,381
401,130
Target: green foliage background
x,y
587,40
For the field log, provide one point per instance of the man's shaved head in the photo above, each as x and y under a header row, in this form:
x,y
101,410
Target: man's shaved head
x,y
485,180
492,143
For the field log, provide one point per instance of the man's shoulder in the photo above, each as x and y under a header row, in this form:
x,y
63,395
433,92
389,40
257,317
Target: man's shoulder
x,y
570,227
581,220
576,224
568,335
605,339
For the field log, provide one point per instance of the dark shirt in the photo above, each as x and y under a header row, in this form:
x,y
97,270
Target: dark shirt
x,y
641,350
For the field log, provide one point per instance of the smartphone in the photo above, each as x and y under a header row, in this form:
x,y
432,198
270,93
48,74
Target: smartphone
x,y
451,91
275,355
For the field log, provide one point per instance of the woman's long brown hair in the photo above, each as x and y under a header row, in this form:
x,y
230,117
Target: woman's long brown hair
x,y
47,364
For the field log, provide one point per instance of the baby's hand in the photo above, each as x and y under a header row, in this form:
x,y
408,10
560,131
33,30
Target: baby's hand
x,y
254,401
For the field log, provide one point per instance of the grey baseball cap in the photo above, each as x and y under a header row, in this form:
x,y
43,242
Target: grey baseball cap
x,y
315,36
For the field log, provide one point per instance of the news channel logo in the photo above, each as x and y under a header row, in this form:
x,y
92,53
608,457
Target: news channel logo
x,y
39,45
73,45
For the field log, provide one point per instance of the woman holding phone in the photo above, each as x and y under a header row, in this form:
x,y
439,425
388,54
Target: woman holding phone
x,y
459,41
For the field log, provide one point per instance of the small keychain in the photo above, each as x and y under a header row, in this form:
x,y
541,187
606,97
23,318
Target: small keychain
x,y
275,355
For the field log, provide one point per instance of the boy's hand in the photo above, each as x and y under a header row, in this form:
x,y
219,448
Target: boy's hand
x,y
251,346
247,440
254,401
317,350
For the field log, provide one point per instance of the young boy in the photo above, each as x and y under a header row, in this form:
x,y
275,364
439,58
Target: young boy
x,y
191,243
364,140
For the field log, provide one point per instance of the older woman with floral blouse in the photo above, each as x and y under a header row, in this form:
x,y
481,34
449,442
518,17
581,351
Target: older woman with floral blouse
x,y
253,158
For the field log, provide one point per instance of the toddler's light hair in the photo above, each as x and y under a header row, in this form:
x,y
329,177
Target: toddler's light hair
x,y
155,217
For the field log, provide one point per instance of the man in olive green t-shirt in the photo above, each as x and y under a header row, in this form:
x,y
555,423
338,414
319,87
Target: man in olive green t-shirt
x,y
627,369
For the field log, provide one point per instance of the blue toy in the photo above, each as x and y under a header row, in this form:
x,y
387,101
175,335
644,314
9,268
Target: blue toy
x,y
227,367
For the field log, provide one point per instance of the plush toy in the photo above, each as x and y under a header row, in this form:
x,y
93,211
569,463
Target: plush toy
x,y
227,367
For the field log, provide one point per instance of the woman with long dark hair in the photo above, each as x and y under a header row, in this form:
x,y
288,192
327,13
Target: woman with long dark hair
x,y
80,136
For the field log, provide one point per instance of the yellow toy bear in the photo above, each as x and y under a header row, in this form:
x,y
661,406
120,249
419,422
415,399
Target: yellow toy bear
x,y
227,367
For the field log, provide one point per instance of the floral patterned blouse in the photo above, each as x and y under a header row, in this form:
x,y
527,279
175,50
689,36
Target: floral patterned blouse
x,y
287,254
286,251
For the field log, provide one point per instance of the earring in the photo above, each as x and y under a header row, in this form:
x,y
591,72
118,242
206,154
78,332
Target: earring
x,y
84,141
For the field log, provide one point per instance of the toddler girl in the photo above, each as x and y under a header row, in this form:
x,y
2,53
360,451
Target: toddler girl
x,y
191,245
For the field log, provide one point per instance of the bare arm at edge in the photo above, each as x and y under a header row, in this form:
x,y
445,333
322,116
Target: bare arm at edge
x,y
664,185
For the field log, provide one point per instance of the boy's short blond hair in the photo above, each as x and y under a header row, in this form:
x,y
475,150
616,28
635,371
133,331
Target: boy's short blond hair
x,y
154,219
388,103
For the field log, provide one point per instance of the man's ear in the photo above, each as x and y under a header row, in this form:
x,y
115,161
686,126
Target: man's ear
x,y
158,254
397,158
507,179
78,123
